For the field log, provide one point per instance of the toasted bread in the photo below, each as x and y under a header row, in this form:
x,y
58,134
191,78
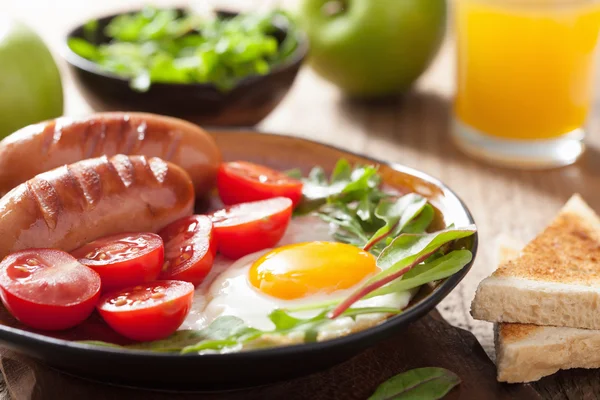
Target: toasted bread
x,y
526,353
554,281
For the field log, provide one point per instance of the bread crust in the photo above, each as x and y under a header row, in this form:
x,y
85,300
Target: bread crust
x,y
527,352
554,281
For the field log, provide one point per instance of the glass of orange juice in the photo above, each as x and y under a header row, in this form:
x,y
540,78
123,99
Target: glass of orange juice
x,y
525,71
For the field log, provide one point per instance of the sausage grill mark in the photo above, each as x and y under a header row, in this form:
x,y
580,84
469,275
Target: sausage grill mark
x,y
174,144
48,136
92,134
47,200
159,169
127,135
124,169
89,182
57,134
146,168
140,135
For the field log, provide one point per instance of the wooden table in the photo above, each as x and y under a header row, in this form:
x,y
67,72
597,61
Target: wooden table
x,y
412,130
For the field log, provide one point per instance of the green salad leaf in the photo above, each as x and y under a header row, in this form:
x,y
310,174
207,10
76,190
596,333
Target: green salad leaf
x,y
421,222
161,45
228,332
363,214
427,272
346,185
284,324
403,253
396,215
430,383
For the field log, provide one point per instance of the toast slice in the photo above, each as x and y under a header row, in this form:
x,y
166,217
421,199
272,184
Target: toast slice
x,y
526,353
554,281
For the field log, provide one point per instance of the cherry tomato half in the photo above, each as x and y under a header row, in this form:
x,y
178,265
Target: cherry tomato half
x,y
241,181
149,311
123,260
190,249
48,289
249,227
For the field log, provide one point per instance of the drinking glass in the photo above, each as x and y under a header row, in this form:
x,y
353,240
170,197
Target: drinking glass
x,y
525,72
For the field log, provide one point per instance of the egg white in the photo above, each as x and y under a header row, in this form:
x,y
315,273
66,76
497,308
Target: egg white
x,y
227,291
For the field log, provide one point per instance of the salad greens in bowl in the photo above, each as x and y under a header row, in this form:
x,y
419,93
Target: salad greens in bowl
x,y
221,69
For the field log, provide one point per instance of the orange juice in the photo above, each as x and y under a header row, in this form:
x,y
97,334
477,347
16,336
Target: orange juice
x,y
525,67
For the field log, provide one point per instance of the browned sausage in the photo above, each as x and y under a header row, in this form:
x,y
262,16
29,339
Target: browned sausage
x,y
50,144
74,204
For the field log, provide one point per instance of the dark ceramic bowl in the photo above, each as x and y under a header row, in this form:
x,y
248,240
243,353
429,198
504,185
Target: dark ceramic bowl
x,y
257,367
252,99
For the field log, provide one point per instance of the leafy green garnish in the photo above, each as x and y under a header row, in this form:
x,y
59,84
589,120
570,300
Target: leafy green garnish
x,y
231,332
396,215
430,383
427,272
421,222
361,212
161,45
404,253
345,185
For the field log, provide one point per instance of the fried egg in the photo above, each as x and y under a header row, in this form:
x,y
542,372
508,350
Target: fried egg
x,y
307,267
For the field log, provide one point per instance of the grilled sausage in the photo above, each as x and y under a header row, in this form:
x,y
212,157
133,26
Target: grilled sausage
x,y
69,206
50,144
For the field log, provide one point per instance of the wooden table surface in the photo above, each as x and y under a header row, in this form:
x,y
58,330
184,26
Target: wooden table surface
x,y
412,130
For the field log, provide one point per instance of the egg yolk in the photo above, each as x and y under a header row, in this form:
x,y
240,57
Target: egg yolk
x,y
303,269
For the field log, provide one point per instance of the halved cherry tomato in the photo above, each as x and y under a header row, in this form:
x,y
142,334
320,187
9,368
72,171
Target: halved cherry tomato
x,y
48,289
241,181
249,227
123,260
190,249
149,311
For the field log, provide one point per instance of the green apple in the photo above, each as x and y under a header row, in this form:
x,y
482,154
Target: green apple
x,y
30,83
372,48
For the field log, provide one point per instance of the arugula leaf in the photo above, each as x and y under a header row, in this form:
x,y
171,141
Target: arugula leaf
x,y
229,332
344,186
342,171
366,208
422,274
360,179
220,329
429,383
349,229
421,222
362,214
396,215
317,175
404,253
408,247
